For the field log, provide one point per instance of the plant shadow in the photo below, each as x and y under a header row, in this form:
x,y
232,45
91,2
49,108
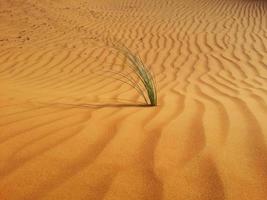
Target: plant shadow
x,y
97,106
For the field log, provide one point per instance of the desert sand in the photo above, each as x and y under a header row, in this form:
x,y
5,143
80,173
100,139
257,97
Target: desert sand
x,y
68,131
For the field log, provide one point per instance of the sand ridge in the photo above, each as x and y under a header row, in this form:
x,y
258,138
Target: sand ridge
x,y
70,131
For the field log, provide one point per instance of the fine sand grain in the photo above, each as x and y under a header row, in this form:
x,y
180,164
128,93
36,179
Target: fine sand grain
x,y
69,130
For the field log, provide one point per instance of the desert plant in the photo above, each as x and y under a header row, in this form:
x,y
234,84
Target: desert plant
x,y
147,89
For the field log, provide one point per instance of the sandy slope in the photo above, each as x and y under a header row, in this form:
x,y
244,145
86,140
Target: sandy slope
x,y
205,141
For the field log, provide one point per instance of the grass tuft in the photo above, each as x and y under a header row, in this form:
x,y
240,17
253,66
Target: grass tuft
x,y
145,84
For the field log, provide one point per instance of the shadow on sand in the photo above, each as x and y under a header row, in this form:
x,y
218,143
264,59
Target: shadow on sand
x,y
97,106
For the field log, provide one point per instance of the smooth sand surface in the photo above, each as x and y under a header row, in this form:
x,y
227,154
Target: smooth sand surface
x,y
69,131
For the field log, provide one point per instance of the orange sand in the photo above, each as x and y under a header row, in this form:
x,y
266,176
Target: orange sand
x,y
205,141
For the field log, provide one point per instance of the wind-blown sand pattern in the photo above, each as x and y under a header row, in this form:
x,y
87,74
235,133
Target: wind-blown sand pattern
x,y
69,131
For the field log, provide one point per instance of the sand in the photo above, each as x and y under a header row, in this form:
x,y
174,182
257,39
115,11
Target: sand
x,y
70,131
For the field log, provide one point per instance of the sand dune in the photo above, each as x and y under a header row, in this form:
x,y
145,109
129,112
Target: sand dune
x,y
70,131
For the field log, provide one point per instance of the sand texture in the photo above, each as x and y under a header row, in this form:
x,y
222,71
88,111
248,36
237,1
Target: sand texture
x,y
70,131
